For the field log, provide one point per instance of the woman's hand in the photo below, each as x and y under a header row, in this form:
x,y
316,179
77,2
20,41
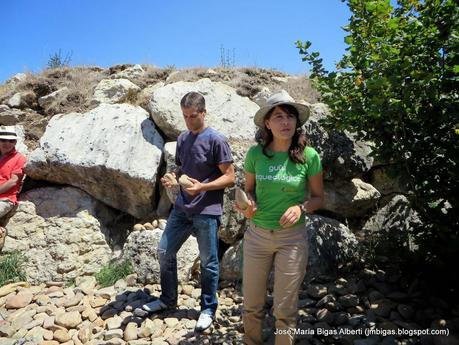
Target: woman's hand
x,y
290,216
250,211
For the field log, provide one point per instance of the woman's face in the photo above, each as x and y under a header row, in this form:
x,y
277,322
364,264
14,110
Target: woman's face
x,y
281,124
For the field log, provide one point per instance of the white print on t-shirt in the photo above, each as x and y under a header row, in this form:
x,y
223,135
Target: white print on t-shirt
x,y
280,176
273,168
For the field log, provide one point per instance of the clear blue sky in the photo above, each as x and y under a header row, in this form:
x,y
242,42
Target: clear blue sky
x,y
169,32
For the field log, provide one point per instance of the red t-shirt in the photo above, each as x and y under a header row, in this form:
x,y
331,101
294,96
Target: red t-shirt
x,y
12,164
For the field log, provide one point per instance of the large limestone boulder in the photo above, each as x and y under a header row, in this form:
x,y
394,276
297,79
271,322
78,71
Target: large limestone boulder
x,y
331,244
113,90
141,250
350,198
112,152
227,112
343,157
63,233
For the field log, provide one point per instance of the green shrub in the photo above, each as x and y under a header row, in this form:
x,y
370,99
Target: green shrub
x,y
11,268
108,275
396,87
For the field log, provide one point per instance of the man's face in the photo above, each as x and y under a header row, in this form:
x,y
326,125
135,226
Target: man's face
x,y
194,119
6,145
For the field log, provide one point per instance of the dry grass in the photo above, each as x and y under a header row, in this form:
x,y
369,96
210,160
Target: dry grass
x,y
131,97
5,91
300,89
81,82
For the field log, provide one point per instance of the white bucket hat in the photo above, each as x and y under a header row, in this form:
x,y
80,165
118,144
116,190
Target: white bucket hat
x,y
276,99
8,133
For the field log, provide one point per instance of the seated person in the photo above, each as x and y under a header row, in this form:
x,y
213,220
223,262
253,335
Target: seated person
x,y
11,174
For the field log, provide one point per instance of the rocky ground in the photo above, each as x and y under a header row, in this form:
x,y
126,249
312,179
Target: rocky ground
x,y
331,311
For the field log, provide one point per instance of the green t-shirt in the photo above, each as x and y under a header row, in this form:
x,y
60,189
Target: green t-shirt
x,y
279,183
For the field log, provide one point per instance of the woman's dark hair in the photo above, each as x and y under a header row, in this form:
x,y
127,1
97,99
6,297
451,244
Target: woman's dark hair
x,y
264,136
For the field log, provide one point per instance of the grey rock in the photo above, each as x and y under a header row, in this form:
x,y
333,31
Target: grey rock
x,y
331,244
393,225
350,198
227,112
141,250
130,73
103,152
53,97
113,90
18,100
231,263
57,227
348,301
343,157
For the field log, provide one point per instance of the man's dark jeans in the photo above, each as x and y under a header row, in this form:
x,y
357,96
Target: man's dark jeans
x,y
179,227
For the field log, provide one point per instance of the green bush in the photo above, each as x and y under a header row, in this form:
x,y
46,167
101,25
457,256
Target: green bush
x,y
11,268
108,275
396,87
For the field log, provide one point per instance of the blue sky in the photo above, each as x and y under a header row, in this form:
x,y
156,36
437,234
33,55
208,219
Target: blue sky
x,y
169,32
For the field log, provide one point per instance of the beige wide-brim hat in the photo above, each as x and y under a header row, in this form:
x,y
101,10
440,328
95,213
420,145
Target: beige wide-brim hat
x,y
8,133
278,99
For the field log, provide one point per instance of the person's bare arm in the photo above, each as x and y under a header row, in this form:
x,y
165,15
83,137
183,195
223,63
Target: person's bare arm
x,y
293,213
7,185
250,211
225,180
316,187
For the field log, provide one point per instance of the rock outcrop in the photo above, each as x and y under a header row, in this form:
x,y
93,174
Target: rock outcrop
x,y
112,152
227,112
63,233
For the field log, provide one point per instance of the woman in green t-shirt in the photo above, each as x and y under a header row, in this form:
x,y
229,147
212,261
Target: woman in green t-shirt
x,y
283,181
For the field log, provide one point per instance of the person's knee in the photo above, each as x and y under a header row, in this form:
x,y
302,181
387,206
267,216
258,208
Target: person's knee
x,y
165,256
209,259
286,315
255,312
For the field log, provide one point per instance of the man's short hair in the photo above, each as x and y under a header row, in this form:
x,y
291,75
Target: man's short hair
x,y
193,100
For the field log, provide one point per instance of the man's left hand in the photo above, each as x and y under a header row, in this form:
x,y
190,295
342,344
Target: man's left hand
x,y
197,187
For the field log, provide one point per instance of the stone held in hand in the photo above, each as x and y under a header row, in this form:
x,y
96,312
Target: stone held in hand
x,y
171,179
242,200
185,182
